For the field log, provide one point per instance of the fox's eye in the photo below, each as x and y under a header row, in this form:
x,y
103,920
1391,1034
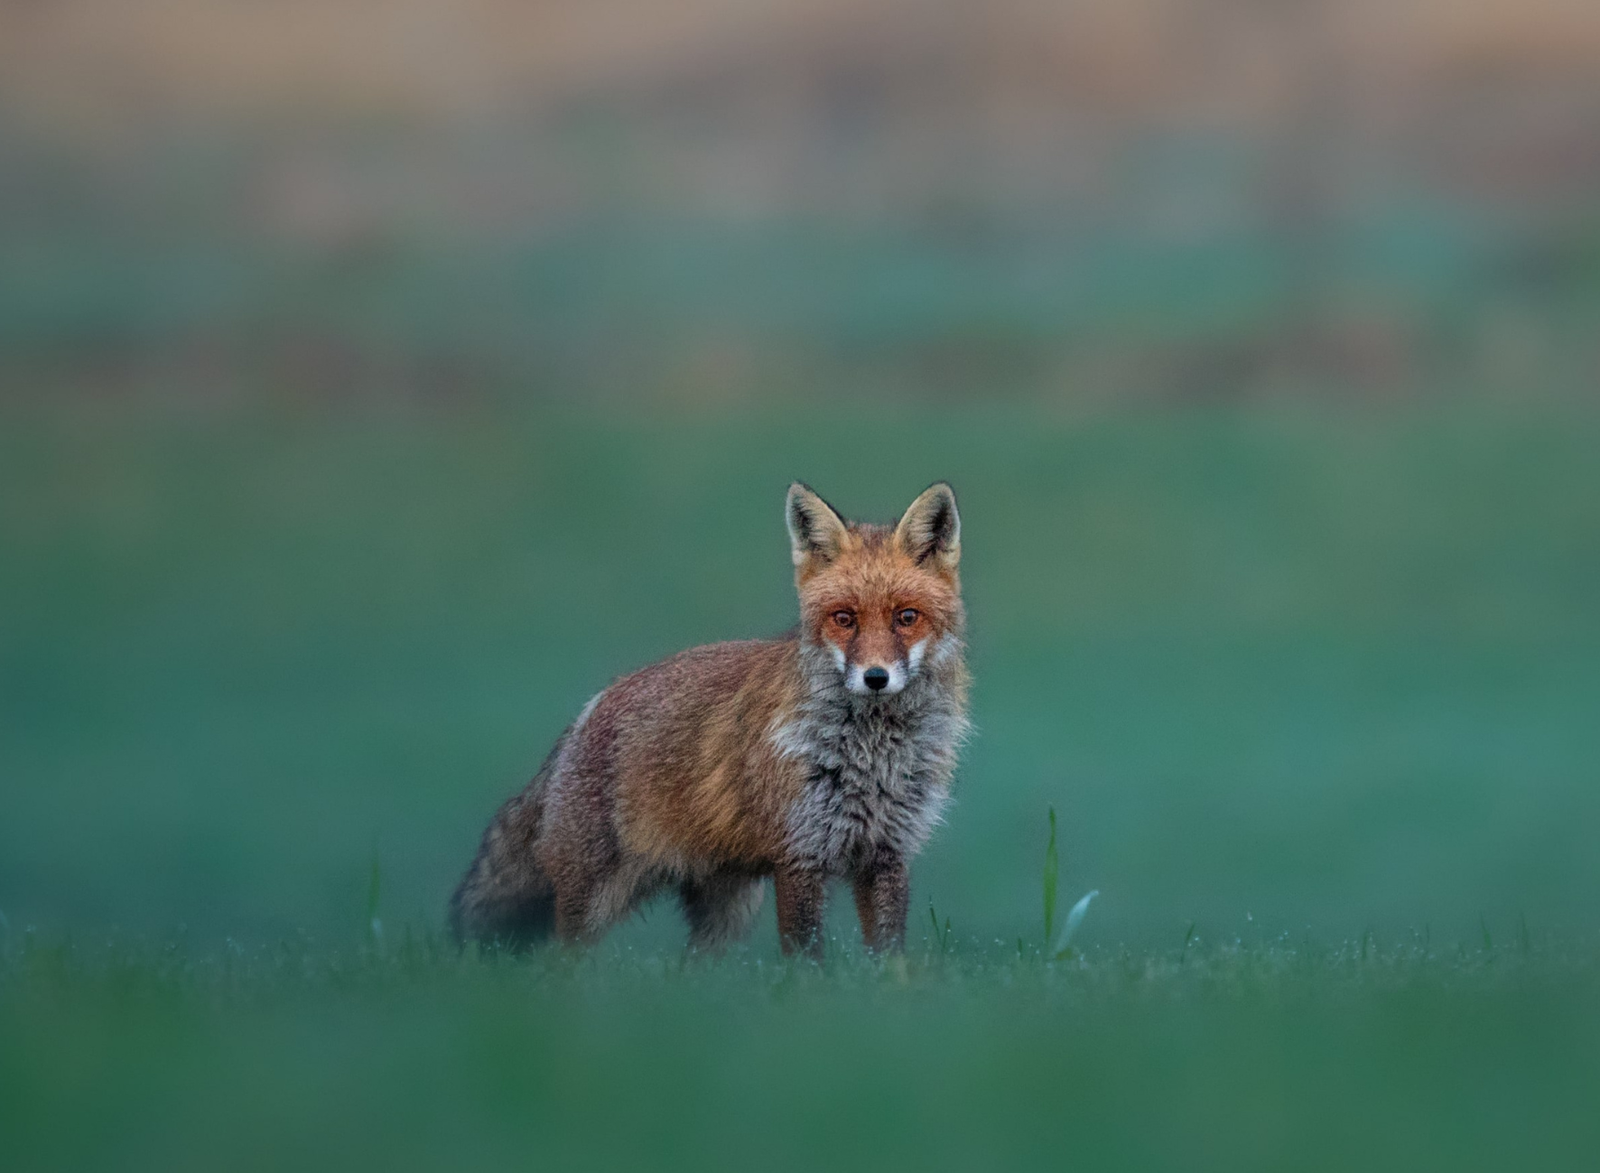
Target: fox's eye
x,y
907,617
844,618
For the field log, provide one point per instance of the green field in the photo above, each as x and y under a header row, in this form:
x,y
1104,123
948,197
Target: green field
x,y
1243,1058
1319,683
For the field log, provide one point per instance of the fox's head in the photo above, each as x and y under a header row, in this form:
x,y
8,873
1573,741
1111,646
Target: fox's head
x,y
883,601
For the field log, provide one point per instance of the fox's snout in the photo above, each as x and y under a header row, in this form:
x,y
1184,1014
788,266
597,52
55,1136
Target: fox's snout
x,y
881,675
877,675
866,679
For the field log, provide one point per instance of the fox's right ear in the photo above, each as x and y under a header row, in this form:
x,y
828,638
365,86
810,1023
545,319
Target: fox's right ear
x,y
816,531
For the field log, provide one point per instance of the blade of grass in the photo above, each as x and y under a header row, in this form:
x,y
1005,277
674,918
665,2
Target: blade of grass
x,y
1051,873
374,892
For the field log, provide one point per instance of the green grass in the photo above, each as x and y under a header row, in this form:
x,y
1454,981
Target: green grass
x,y
1311,692
1245,1056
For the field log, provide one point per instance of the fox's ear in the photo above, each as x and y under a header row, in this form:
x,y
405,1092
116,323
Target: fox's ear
x,y
931,528
815,530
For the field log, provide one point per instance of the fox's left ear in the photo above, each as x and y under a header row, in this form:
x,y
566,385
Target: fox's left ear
x,y
931,528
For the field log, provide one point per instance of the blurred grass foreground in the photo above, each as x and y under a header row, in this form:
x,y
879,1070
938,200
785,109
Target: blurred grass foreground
x,y
1255,1057
377,381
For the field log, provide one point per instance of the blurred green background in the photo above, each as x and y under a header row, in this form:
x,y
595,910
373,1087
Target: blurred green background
x,y
1326,669
376,382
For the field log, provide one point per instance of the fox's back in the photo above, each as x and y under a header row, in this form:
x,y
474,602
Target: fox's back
x,y
683,749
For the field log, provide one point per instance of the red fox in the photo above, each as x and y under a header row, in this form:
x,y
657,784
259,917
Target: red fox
x,y
826,753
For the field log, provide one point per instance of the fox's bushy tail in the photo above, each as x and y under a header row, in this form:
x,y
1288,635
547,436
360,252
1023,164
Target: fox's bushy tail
x,y
505,898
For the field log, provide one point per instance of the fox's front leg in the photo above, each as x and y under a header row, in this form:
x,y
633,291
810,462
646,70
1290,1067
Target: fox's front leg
x,y
800,891
883,893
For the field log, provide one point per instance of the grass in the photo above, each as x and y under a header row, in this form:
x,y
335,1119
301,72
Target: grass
x,y
1294,680
1241,1056
405,1052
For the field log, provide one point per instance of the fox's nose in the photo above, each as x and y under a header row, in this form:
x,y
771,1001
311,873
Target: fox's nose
x,y
875,678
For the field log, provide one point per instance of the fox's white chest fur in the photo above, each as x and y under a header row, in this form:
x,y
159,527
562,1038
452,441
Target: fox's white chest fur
x,y
878,770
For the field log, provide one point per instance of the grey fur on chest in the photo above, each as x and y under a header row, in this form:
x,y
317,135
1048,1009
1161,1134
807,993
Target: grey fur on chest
x,y
878,776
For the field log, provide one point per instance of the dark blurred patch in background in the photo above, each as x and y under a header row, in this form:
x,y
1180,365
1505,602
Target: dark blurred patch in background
x,y
380,377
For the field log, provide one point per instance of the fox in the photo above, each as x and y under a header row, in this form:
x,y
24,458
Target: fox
x,y
825,754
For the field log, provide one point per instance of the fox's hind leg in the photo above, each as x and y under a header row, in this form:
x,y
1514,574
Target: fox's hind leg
x,y
506,897
720,909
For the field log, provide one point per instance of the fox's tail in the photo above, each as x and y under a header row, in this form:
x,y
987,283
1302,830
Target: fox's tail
x,y
505,898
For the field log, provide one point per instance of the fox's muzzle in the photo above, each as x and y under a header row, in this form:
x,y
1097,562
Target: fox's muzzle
x,y
876,679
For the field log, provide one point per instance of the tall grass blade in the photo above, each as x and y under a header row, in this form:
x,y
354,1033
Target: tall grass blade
x,y
374,891
1051,871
